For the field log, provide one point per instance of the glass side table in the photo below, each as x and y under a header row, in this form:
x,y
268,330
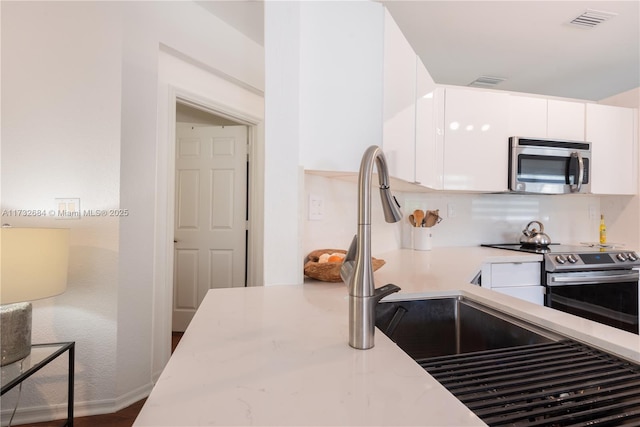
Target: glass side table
x,y
41,355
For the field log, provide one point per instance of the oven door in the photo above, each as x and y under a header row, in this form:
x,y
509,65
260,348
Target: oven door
x,y
609,297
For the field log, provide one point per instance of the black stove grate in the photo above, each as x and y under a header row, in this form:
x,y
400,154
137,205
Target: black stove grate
x,y
562,383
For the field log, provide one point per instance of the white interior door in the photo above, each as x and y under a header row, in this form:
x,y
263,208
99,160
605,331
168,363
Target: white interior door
x,y
210,214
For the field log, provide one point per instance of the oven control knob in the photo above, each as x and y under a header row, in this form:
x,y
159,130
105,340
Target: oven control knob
x,y
572,259
632,256
560,259
622,257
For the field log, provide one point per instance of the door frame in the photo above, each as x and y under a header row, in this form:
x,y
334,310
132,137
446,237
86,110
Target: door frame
x,y
165,179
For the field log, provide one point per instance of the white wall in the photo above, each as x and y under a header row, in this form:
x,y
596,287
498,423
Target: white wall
x,y
80,110
341,82
479,218
340,221
324,64
282,136
61,138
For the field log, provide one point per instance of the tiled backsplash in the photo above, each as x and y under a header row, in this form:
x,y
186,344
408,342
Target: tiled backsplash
x,y
468,219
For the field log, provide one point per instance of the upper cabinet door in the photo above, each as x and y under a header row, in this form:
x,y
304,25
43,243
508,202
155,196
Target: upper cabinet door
x,y
612,132
476,140
399,108
546,118
565,120
527,116
429,130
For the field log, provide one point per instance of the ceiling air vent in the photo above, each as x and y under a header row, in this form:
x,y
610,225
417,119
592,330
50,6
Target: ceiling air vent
x,y
590,18
486,81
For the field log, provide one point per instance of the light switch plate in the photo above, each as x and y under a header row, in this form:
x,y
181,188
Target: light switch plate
x,y
67,208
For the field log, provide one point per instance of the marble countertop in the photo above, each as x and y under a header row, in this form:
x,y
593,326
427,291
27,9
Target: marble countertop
x,y
279,355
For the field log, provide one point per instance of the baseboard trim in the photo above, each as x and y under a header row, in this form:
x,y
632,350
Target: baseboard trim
x,y
132,397
156,375
36,414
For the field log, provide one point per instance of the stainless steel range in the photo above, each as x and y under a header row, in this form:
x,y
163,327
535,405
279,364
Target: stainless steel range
x,y
596,283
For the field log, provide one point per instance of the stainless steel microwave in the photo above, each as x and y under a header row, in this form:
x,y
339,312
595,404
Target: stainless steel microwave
x,y
549,166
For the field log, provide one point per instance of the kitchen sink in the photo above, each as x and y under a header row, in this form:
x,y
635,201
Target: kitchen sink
x,y
509,372
453,325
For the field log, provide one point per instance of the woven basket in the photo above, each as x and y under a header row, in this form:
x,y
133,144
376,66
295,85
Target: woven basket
x,y
329,271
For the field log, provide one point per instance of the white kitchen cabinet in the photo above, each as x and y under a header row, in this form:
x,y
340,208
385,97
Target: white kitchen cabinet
x,y
534,294
521,280
565,120
613,134
527,116
429,130
476,139
399,102
546,118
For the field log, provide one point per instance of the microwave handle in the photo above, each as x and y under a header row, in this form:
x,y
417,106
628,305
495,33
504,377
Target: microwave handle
x,y
575,188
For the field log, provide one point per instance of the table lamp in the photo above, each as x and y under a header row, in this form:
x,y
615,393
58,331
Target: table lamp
x,y
33,265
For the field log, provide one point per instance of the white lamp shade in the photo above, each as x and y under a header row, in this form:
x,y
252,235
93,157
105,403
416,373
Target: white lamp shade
x,y
33,263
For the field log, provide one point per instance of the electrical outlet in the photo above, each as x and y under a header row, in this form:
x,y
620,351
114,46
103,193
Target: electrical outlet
x,y
593,213
316,207
451,210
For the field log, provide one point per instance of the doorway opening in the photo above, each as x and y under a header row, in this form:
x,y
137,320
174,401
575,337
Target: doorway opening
x,y
211,208
182,80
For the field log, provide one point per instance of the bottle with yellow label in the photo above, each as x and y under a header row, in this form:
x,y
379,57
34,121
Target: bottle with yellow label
x,y
603,231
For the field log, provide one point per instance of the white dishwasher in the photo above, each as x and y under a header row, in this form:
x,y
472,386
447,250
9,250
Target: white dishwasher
x,y
518,279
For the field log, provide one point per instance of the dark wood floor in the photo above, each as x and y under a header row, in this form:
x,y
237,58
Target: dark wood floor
x,y
122,418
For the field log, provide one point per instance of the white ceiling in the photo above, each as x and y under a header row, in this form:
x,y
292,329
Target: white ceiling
x,y
529,43
247,16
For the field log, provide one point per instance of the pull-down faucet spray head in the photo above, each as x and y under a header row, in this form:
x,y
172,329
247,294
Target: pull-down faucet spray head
x,y
390,205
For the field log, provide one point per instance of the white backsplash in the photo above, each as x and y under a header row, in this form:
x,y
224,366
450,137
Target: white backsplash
x,y
468,219
340,219
473,219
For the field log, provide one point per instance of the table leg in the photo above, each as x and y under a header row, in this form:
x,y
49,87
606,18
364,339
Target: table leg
x,y
70,402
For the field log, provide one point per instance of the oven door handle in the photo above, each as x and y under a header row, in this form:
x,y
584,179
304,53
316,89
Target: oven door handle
x,y
557,280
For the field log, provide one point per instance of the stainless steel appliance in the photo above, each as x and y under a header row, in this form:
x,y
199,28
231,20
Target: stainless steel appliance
x,y
547,166
595,283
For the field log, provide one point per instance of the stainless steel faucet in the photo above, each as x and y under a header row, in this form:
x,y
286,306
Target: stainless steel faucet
x,y
357,269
